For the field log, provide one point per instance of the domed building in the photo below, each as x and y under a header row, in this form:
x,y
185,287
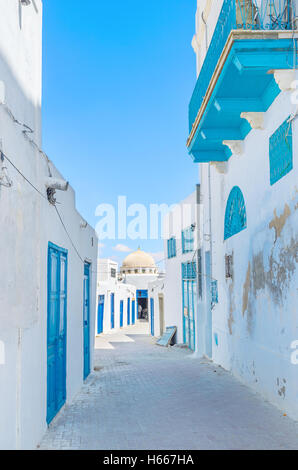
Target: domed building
x,y
139,269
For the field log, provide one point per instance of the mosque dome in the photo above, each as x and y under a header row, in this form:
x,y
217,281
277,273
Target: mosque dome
x,y
139,262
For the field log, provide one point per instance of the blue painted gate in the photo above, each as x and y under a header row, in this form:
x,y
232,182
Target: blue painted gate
x,y
189,294
100,314
86,320
56,330
112,311
128,311
121,313
152,316
133,312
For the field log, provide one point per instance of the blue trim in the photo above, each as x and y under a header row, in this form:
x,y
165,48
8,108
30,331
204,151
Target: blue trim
x,y
235,217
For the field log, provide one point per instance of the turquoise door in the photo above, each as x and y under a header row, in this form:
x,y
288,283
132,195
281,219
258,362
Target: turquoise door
x,y
112,311
86,320
56,330
128,311
121,313
152,316
133,312
100,314
189,293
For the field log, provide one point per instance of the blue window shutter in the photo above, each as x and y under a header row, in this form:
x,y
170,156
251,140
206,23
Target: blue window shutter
x,y
235,217
281,152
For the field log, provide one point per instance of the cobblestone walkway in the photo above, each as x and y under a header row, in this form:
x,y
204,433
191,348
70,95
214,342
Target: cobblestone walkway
x,y
142,396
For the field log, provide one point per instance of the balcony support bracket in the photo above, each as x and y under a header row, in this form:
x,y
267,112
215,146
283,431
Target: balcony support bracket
x,y
256,120
236,146
285,78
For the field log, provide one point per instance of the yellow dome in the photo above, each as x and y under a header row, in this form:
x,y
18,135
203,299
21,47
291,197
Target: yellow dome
x,y
139,259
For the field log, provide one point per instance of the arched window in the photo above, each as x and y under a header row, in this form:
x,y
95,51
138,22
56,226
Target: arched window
x,y
235,218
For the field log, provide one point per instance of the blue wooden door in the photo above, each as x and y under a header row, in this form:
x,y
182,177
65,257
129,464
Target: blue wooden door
x,y
121,313
189,308
112,311
128,311
86,320
133,312
152,316
56,330
189,297
100,314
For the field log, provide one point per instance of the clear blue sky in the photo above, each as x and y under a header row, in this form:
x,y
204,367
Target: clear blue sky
x,y
117,79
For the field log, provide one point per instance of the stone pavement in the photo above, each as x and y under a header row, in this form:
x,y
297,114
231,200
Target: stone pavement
x,y
143,396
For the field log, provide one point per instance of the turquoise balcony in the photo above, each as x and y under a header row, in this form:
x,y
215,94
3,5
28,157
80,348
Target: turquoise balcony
x,y
253,42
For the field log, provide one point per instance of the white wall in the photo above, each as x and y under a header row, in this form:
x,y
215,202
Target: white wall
x,y
173,225
156,290
28,223
255,320
122,292
140,281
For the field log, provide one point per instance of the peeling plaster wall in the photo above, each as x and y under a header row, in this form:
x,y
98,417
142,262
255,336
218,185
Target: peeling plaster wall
x,y
256,318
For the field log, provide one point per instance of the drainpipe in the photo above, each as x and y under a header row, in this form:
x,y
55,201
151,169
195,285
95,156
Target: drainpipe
x,y
206,30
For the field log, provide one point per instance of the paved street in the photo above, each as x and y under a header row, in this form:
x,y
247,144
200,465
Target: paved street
x,y
142,396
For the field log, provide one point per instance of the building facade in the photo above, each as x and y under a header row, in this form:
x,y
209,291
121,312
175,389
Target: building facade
x,y
181,268
48,253
244,136
116,300
139,269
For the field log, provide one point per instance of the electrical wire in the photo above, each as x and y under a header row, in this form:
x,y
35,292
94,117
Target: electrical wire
x,y
23,176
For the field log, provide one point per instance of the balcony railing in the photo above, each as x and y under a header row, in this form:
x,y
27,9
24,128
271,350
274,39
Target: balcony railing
x,y
239,15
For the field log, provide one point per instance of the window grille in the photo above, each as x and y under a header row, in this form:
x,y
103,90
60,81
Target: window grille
x,y
187,240
235,217
281,152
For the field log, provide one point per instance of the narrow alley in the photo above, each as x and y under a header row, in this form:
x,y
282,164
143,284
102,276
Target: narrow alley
x,y
143,396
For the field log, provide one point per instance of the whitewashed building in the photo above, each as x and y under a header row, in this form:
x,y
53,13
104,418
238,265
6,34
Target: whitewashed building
x,y
116,300
48,253
156,305
244,136
139,269
173,298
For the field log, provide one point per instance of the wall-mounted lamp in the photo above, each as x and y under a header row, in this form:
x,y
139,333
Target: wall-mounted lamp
x,y
25,3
